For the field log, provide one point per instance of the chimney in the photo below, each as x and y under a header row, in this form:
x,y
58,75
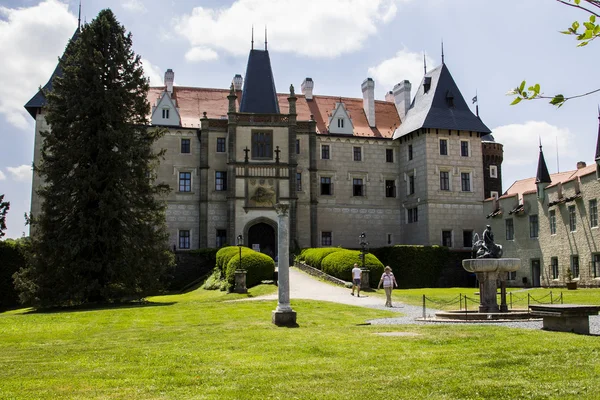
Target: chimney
x,y
389,96
402,98
581,164
238,82
368,90
169,78
307,88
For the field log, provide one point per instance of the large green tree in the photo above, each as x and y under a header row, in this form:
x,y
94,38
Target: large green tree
x,y
101,235
4,207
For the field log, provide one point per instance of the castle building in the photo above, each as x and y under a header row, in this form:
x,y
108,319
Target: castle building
x,y
401,171
550,222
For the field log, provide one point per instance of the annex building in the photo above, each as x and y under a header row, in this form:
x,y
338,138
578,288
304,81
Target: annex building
x,y
550,222
410,169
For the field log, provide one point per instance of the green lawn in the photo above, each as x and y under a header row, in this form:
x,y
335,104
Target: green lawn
x,y
198,345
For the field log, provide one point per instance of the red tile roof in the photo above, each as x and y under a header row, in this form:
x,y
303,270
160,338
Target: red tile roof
x,y
192,102
525,186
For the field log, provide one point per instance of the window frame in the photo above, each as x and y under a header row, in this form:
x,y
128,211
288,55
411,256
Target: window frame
x,y
166,112
261,144
357,153
552,221
221,181
329,184
445,188
443,149
572,218
221,145
390,191
358,187
410,152
298,181
412,215
575,267
465,149
186,240
184,180
593,206
554,270
326,150
389,155
220,240
468,244
187,146
534,226
449,237
509,229
493,171
595,265
326,236
465,183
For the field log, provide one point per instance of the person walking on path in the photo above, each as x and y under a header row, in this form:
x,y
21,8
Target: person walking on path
x,y
389,281
356,274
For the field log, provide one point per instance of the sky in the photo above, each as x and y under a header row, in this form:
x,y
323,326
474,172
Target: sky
x,y
489,47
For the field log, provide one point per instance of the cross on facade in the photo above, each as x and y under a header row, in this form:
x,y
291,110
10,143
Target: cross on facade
x,y
246,150
277,151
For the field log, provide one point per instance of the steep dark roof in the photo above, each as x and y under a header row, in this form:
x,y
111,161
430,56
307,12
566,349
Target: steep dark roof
x,y
598,140
259,94
543,176
442,106
39,100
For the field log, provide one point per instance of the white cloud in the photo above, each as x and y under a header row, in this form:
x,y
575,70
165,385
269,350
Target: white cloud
x,y
135,6
32,40
196,54
404,65
153,72
312,28
2,176
22,173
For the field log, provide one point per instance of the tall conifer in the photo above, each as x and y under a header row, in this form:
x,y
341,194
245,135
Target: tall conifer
x,y
102,234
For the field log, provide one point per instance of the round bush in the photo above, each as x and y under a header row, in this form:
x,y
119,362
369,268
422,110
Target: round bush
x,y
258,267
314,257
225,254
340,264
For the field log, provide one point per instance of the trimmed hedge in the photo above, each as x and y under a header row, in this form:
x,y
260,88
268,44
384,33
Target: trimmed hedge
x,y
258,267
422,266
13,255
225,254
340,264
314,256
191,266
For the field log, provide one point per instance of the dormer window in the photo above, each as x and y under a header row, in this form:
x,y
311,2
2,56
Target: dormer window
x,y
165,113
450,99
426,84
340,122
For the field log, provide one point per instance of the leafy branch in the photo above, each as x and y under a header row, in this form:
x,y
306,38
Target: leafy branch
x,y
590,31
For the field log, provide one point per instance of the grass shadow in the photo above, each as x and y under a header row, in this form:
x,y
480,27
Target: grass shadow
x,y
100,307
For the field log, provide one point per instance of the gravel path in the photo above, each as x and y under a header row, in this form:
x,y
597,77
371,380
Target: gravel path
x,y
304,286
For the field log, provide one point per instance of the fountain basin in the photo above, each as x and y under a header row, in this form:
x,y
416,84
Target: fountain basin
x,y
492,264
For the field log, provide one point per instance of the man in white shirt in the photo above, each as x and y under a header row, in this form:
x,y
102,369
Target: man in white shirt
x,y
356,274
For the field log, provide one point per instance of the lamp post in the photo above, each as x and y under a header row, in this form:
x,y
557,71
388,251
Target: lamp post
x,y
240,274
362,241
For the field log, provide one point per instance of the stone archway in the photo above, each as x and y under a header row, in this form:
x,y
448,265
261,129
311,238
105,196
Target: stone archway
x,y
264,234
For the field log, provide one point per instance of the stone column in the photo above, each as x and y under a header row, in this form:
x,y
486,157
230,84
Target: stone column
x,y
488,291
283,315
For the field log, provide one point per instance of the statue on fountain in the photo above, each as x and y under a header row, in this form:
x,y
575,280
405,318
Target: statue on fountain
x,y
486,248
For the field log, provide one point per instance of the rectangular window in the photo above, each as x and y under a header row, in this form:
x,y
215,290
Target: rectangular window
x,y
220,180
412,215
221,238
554,266
185,181
389,155
326,186
410,152
443,147
465,181
325,152
593,213
510,229
297,146
184,239
262,145
411,184
444,180
357,187
357,153
447,238
467,238
326,239
185,146
493,171
575,266
390,188
572,219
512,275
596,265
165,113
533,226
220,145
298,181
552,219
464,148
340,122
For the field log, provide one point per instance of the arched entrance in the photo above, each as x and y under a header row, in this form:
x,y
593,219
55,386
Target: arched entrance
x,y
263,234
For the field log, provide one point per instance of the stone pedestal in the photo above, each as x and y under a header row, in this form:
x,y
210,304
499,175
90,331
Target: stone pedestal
x,y
364,279
283,314
240,281
489,271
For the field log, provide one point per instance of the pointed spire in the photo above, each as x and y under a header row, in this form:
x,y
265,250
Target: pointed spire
x,y
598,140
424,64
442,51
265,38
79,18
252,41
543,176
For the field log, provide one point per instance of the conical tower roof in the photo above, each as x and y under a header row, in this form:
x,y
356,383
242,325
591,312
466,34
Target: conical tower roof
x,y
259,94
543,176
39,99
